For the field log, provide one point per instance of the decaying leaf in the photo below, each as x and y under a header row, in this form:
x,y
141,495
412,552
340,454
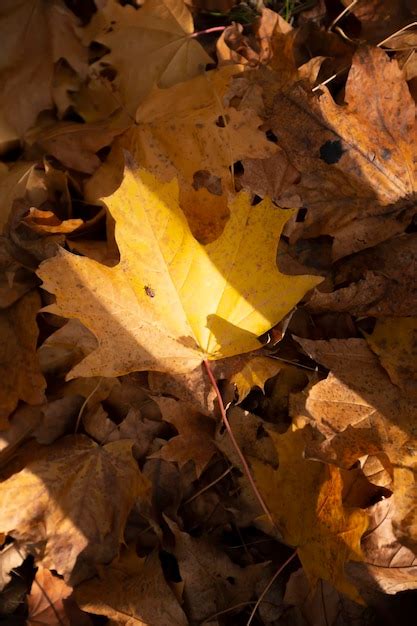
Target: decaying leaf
x,y
59,503
11,556
45,601
132,592
21,378
144,310
305,501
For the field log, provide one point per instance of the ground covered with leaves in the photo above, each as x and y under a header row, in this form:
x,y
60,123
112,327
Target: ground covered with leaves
x,y
208,322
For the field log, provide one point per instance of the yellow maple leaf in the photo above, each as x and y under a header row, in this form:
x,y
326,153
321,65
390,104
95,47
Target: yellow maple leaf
x,y
171,302
305,501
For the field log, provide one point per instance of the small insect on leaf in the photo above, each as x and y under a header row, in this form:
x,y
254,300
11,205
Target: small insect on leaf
x,y
149,291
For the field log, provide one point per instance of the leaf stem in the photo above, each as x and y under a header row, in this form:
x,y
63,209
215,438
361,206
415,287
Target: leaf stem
x,y
236,445
207,31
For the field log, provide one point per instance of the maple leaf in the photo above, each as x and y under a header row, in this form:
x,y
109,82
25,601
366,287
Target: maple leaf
x,y
153,45
356,160
388,565
212,582
214,135
171,303
21,378
134,592
194,441
71,501
356,410
305,500
50,602
35,35
380,281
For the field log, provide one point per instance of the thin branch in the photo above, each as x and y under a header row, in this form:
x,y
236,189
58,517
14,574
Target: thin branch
x,y
397,32
339,17
213,482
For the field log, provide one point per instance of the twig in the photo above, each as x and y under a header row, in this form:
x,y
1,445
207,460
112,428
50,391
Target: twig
x,y
269,585
339,17
397,32
208,31
213,482
236,445
84,404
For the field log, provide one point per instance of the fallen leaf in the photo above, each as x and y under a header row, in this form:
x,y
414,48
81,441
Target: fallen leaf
x,y
194,441
21,378
46,222
12,555
394,340
151,46
70,503
213,137
356,410
355,160
254,373
212,582
161,325
381,18
35,36
388,566
45,601
13,185
132,592
380,281
305,500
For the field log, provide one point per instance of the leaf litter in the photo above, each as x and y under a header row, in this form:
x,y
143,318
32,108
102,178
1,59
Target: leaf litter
x,y
208,313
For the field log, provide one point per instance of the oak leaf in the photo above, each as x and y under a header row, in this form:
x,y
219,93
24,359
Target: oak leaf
x,y
132,592
153,45
305,500
71,501
171,303
20,374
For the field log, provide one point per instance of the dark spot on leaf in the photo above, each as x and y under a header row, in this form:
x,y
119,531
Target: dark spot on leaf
x,y
238,168
261,432
149,291
256,200
222,121
231,580
271,136
170,567
301,215
331,152
386,154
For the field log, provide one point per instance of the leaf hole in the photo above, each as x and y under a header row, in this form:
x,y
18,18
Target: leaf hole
x,y
222,121
271,136
301,215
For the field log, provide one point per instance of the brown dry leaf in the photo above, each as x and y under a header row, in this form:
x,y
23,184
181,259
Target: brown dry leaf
x,y
12,555
254,373
213,137
388,566
271,177
322,606
355,411
46,222
150,46
194,441
20,374
34,35
132,592
74,145
305,501
394,340
71,501
381,281
14,182
65,347
212,582
144,310
45,601
381,18
356,160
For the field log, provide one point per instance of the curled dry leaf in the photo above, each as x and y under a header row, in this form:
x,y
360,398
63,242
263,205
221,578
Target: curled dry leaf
x,y
132,592
12,555
21,378
144,311
305,500
60,502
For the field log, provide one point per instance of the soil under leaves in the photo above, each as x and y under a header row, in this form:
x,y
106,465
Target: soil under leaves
x,y
208,262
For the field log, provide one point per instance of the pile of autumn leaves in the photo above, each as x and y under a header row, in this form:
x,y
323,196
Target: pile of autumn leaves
x,y
135,261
